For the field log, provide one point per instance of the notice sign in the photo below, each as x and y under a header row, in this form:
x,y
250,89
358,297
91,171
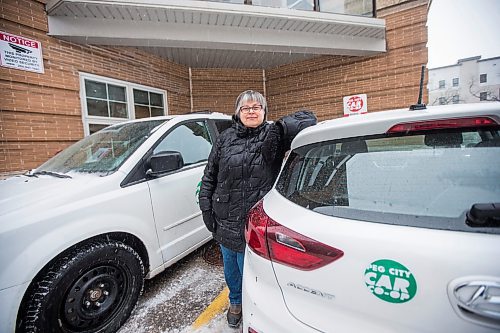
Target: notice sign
x,y
355,104
20,53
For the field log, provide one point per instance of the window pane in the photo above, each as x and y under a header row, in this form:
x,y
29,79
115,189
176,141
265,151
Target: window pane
x,y
118,110
397,180
155,112
156,99
96,127
141,112
95,89
97,107
116,93
192,140
141,97
359,7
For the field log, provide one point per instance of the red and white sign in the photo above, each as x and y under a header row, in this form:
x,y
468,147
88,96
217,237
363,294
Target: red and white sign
x,y
355,104
20,53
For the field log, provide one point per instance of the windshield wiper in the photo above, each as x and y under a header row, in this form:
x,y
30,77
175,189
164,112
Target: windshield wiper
x,y
50,173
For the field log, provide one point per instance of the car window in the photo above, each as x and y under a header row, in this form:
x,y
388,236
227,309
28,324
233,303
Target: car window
x,y
104,151
425,180
191,139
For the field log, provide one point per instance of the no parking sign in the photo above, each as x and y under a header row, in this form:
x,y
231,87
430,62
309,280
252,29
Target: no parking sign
x,y
355,104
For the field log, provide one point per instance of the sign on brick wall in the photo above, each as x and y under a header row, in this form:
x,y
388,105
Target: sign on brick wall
x,y
355,104
20,53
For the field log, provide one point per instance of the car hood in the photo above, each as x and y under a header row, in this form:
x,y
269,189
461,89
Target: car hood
x,y
32,194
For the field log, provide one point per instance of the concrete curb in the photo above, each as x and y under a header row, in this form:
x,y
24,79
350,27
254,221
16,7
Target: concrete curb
x,y
220,303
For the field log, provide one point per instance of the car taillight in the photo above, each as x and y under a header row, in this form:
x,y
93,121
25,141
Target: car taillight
x,y
255,230
271,240
442,124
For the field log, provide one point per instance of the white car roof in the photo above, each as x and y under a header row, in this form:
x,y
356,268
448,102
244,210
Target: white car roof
x,y
194,115
380,122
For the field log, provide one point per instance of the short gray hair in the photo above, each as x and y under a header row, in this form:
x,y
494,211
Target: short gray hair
x,y
250,95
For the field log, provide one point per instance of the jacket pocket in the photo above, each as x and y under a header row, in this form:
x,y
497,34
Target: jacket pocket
x,y
220,205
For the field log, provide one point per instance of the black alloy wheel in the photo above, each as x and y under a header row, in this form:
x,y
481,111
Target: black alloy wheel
x,y
92,289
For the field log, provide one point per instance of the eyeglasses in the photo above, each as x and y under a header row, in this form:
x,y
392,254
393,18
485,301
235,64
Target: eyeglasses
x,y
247,109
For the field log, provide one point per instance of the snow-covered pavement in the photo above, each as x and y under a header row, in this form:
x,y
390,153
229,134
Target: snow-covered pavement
x,y
172,301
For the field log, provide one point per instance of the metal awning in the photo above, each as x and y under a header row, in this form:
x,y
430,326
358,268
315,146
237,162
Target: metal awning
x,y
204,34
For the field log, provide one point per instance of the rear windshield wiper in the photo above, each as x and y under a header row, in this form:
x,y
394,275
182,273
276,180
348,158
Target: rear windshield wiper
x,y
50,173
484,215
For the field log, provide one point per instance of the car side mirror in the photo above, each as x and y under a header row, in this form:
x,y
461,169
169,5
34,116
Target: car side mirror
x,y
164,162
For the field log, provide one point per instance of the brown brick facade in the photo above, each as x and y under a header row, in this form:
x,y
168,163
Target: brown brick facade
x,y
41,114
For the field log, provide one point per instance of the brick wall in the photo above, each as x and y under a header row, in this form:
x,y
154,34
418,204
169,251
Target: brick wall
x,y
390,80
40,114
217,89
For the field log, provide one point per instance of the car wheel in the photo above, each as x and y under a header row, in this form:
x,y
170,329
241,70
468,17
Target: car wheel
x,y
91,289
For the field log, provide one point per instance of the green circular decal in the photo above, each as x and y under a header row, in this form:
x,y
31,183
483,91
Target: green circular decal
x,y
390,281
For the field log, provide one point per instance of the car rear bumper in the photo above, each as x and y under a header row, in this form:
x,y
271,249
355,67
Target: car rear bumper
x,y
10,299
263,307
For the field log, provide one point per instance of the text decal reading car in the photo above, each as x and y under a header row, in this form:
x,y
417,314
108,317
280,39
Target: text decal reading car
x,y
390,281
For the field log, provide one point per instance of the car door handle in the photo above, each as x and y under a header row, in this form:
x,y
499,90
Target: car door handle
x,y
477,299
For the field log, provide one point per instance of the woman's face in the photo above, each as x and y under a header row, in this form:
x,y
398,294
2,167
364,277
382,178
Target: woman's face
x,y
252,114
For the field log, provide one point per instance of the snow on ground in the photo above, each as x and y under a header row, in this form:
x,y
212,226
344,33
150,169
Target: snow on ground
x,y
216,325
172,301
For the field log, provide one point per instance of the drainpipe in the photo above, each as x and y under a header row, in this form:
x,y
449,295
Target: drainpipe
x,y
191,88
264,82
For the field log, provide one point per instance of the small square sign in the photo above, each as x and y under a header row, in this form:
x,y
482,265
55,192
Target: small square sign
x,y
20,53
355,104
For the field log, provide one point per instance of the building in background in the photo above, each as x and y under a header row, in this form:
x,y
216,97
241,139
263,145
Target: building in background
x,y
470,80
107,61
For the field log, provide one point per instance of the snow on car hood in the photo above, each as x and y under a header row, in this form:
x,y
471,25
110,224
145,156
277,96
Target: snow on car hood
x,y
28,195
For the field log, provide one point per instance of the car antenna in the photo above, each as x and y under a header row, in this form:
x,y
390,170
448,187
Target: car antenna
x,y
420,105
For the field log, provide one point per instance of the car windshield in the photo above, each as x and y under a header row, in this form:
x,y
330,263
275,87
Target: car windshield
x,y
423,180
104,151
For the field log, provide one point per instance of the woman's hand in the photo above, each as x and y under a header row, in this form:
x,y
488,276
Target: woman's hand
x,y
209,220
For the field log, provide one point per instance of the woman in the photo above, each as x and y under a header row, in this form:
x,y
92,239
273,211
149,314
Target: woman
x,y
241,169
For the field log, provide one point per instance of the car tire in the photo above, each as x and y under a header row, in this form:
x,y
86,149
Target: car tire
x,y
93,288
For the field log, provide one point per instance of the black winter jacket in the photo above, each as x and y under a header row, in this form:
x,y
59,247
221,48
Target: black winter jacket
x,y
241,169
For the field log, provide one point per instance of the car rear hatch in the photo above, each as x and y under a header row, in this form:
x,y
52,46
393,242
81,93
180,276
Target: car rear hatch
x,y
389,233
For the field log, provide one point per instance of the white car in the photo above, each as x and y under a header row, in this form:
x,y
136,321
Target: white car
x,y
79,234
382,222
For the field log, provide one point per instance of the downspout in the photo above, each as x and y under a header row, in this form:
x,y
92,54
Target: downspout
x,y
264,82
191,89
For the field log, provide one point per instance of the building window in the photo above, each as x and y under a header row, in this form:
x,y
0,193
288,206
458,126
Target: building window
x,y
455,81
442,84
107,101
147,104
456,99
483,78
442,100
483,96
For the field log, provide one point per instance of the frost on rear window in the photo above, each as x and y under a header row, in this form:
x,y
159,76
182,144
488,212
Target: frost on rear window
x,y
104,151
426,180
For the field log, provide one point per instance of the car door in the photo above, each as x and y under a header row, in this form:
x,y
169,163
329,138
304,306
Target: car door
x,y
174,196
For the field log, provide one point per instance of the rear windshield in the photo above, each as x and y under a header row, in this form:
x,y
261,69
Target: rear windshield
x,y
425,180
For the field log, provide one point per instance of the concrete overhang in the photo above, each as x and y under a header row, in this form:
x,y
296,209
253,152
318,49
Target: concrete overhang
x,y
212,34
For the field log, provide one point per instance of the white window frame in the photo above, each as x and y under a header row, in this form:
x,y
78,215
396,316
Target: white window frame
x,y
129,91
